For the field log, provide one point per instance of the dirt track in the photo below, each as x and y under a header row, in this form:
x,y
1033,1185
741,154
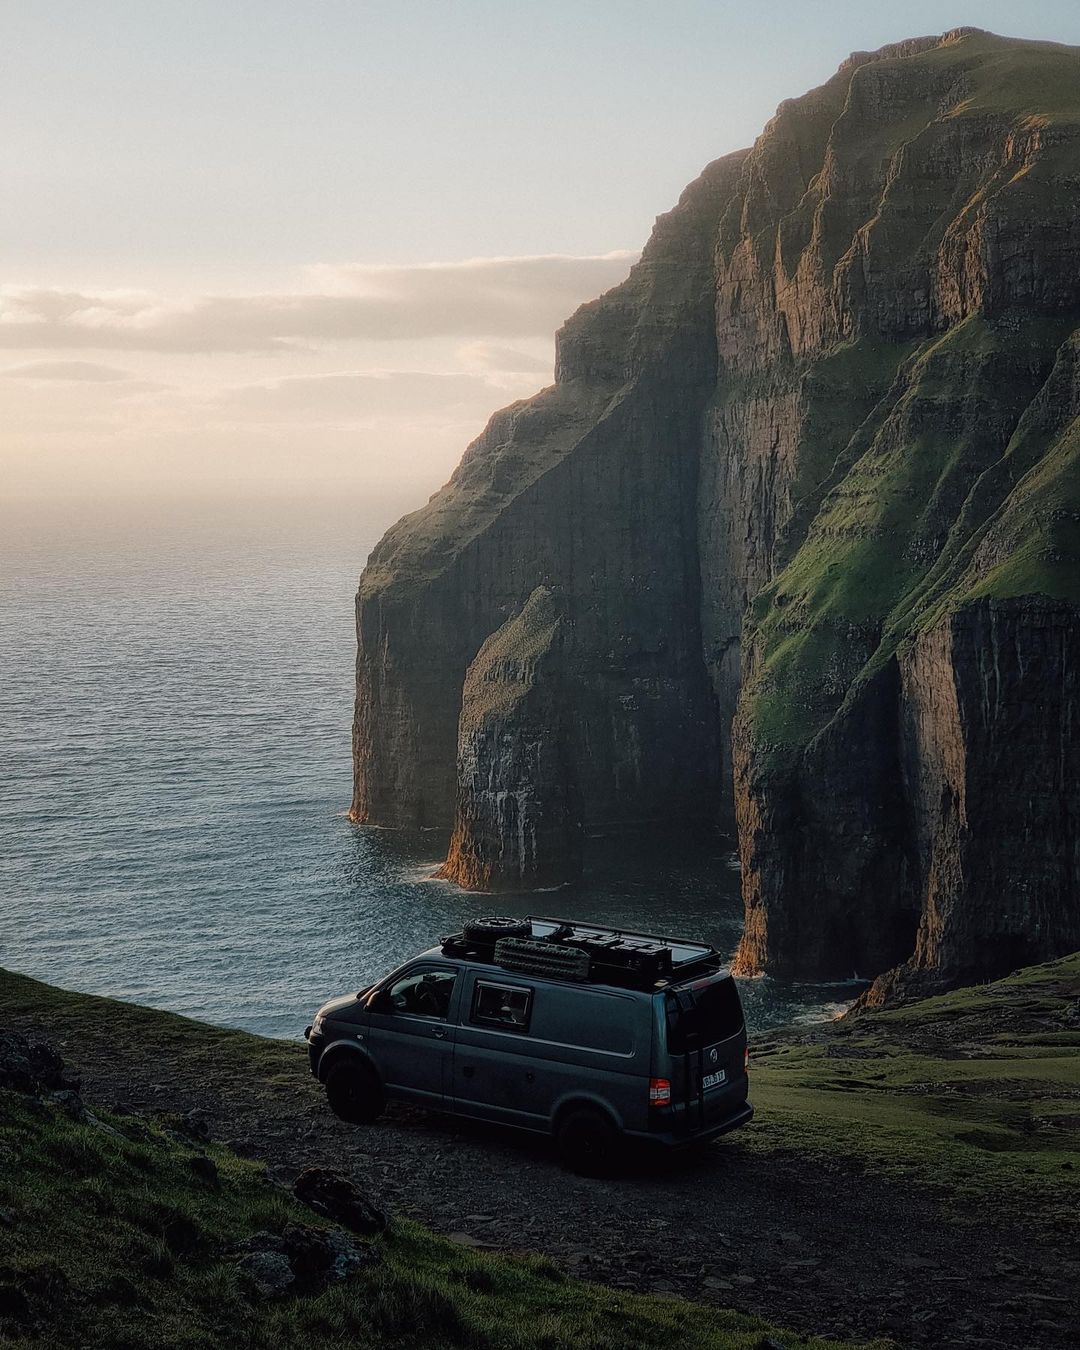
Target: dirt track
x,y
818,1247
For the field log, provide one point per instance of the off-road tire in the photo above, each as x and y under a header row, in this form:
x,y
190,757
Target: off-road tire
x,y
588,1141
354,1093
490,929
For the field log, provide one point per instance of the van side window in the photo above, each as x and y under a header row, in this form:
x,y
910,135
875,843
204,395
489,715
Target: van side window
x,y
501,1005
423,994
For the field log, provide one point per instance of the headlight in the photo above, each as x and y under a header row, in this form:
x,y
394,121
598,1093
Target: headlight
x,y
317,1025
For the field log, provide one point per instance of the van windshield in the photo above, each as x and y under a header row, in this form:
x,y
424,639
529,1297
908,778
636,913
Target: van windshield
x,y
702,1013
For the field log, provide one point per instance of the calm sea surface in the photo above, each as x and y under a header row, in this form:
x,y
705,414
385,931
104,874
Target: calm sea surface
x,y
174,770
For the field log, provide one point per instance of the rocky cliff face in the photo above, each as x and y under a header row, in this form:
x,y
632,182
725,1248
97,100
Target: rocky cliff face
x,y
994,676
519,816
588,489
804,505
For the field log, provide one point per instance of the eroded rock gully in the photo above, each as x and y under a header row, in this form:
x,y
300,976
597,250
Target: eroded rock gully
x,y
791,541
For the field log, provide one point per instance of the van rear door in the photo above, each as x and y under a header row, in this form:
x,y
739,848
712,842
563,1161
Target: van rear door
x,y
706,1040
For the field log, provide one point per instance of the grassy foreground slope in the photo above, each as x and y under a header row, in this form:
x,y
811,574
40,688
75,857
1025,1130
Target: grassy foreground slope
x,y
976,1091
974,1095
93,1259
111,1237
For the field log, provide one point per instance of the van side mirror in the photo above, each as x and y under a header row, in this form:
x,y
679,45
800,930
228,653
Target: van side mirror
x,y
381,1002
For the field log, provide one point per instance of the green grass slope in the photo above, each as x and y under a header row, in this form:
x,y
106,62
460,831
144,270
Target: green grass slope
x,y
975,1093
93,1256
111,1240
898,525
964,481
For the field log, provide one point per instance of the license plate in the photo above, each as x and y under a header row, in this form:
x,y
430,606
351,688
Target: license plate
x,y
712,1079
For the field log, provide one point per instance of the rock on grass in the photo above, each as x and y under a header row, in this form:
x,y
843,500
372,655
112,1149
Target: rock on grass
x,y
335,1197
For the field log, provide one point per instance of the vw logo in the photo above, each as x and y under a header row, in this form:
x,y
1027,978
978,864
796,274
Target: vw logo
x,y
712,1057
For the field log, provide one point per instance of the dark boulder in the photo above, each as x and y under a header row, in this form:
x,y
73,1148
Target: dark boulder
x,y
205,1170
195,1124
71,1104
31,1295
335,1197
33,1067
269,1272
317,1257
182,1235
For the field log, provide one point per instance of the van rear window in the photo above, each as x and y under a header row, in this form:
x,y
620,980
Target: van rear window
x,y
701,1014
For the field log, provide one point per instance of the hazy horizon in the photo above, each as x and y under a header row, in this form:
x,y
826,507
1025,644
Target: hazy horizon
x,y
285,250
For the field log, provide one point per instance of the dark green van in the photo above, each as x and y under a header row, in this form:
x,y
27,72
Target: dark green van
x,y
586,1033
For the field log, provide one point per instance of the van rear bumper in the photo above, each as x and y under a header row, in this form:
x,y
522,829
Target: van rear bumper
x,y
675,1138
682,1140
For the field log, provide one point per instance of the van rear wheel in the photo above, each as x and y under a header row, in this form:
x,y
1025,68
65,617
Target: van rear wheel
x,y
588,1141
354,1093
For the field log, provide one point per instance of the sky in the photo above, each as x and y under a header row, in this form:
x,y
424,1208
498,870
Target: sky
x,y
277,248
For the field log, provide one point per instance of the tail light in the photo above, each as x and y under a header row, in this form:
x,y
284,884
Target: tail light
x,y
659,1092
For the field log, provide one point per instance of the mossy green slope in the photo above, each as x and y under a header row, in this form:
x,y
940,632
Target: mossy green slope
x,y
909,514
963,482
977,1089
976,1092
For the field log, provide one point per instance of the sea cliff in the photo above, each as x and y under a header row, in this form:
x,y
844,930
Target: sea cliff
x,y
792,543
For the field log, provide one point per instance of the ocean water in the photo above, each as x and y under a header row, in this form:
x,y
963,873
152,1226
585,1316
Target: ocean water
x,y
174,771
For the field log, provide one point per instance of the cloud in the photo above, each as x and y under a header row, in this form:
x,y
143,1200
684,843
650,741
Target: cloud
x,y
490,356
358,396
480,298
80,372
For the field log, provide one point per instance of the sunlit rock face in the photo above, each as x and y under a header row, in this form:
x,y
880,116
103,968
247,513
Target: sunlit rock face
x,y
803,509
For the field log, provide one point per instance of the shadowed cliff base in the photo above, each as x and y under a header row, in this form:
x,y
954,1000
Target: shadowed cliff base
x,y
806,498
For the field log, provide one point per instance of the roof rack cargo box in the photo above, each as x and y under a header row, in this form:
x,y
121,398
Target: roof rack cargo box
x,y
571,949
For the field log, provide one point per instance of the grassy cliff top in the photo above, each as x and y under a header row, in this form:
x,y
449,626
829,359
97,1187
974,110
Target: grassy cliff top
x,y
504,669
1014,77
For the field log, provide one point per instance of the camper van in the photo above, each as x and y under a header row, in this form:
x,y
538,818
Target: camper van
x,y
585,1032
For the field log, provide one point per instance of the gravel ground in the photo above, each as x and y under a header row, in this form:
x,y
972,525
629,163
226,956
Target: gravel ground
x,y
813,1245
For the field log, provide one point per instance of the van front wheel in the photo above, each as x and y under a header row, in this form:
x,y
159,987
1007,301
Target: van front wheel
x,y
588,1141
354,1093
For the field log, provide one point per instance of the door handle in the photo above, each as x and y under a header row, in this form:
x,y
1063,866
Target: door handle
x,y
439,1033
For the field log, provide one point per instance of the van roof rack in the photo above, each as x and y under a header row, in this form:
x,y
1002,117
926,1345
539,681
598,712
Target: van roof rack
x,y
583,952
